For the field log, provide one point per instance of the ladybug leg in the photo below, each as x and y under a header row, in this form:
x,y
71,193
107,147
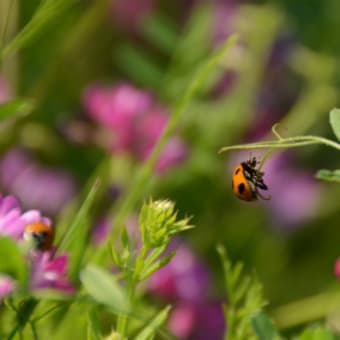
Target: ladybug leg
x,y
266,198
261,185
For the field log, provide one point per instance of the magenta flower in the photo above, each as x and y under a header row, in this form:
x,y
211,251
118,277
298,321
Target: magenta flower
x,y
46,271
129,14
185,278
11,221
185,282
295,193
35,185
116,106
50,272
197,321
7,285
337,268
174,152
133,121
182,320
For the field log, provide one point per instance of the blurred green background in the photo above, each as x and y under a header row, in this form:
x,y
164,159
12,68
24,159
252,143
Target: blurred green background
x,y
284,68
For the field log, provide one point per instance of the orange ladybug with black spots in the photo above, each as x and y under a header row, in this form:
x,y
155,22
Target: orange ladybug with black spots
x,y
40,235
247,180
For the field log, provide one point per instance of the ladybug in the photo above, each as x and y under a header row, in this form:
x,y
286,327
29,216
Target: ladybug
x,y
247,180
40,235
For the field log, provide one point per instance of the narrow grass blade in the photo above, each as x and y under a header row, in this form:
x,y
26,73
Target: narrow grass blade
x,y
151,327
75,237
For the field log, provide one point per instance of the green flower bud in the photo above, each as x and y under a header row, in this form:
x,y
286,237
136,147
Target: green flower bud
x,y
158,221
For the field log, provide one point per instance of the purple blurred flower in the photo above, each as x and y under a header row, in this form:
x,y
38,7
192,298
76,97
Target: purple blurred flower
x,y
36,186
7,285
197,322
46,271
185,281
11,221
116,106
103,226
226,16
174,152
185,278
182,320
100,230
129,14
134,122
50,272
295,193
337,268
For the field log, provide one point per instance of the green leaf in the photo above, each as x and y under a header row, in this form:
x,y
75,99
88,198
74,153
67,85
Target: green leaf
x,y
160,31
145,70
93,325
147,271
152,326
124,238
13,262
104,288
317,333
75,238
328,175
245,299
334,120
17,107
264,327
153,255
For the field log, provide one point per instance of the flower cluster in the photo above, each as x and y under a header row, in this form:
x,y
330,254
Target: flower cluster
x,y
158,222
46,269
133,122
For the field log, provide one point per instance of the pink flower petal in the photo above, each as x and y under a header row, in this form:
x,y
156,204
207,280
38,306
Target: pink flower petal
x,y
7,285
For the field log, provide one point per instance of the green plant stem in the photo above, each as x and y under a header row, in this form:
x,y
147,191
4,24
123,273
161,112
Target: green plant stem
x,y
265,157
291,142
24,313
73,42
122,320
140,262
34,331
45,13
306,310
133,193
133,280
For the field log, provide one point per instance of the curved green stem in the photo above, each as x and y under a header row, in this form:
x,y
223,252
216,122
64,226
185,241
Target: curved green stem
x,y
142,176
306,310
290,142
266,156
